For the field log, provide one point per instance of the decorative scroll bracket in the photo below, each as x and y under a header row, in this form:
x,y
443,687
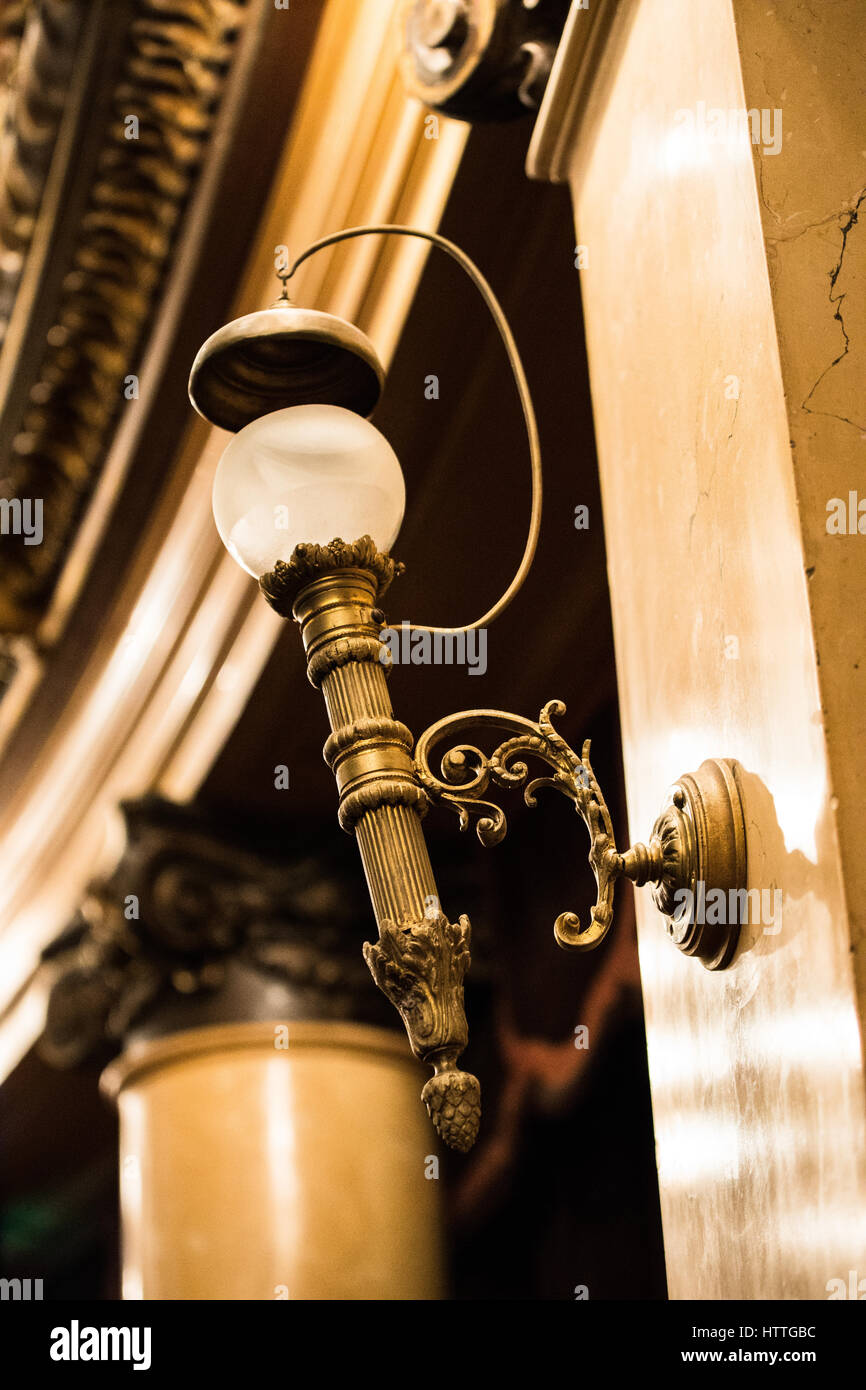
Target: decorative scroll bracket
x,y
697,846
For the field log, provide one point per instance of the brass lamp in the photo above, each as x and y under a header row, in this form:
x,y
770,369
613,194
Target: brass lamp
x,y
307,468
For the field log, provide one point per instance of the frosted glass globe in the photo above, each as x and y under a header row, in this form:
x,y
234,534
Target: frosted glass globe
x,y
306,473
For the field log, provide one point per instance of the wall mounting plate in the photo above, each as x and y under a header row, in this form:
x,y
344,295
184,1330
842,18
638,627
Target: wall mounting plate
x,y
702,892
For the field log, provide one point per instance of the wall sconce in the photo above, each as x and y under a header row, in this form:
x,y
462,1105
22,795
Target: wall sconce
x,y
305,467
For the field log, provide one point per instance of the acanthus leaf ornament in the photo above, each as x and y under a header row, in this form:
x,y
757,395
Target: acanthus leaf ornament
x,y
420,968
282,585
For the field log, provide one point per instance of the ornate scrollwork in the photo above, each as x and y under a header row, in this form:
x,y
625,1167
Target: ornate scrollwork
x,y
467,774
697,845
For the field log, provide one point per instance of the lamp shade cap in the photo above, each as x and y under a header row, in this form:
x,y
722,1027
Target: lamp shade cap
x,y
280,357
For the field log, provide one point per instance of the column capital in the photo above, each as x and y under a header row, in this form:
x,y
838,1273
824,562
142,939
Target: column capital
x,y
197,924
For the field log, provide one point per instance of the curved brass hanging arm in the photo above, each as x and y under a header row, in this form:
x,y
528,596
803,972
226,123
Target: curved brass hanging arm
x,y
497,313
697,843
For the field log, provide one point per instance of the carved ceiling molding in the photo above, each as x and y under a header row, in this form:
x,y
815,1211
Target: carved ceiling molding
x,y
12,20
164,98
36,68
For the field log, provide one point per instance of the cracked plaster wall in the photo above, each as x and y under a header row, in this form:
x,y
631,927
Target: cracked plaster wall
x,y
809,61
714,524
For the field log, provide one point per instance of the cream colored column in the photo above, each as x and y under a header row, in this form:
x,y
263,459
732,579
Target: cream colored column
x,y
276,1161
713,534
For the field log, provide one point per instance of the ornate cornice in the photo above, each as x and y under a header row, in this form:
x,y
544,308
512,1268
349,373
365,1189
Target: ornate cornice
x,y
39,47
170,77
12,19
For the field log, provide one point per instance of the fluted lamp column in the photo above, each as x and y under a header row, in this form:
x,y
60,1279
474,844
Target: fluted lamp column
x,y
294,480
333,593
